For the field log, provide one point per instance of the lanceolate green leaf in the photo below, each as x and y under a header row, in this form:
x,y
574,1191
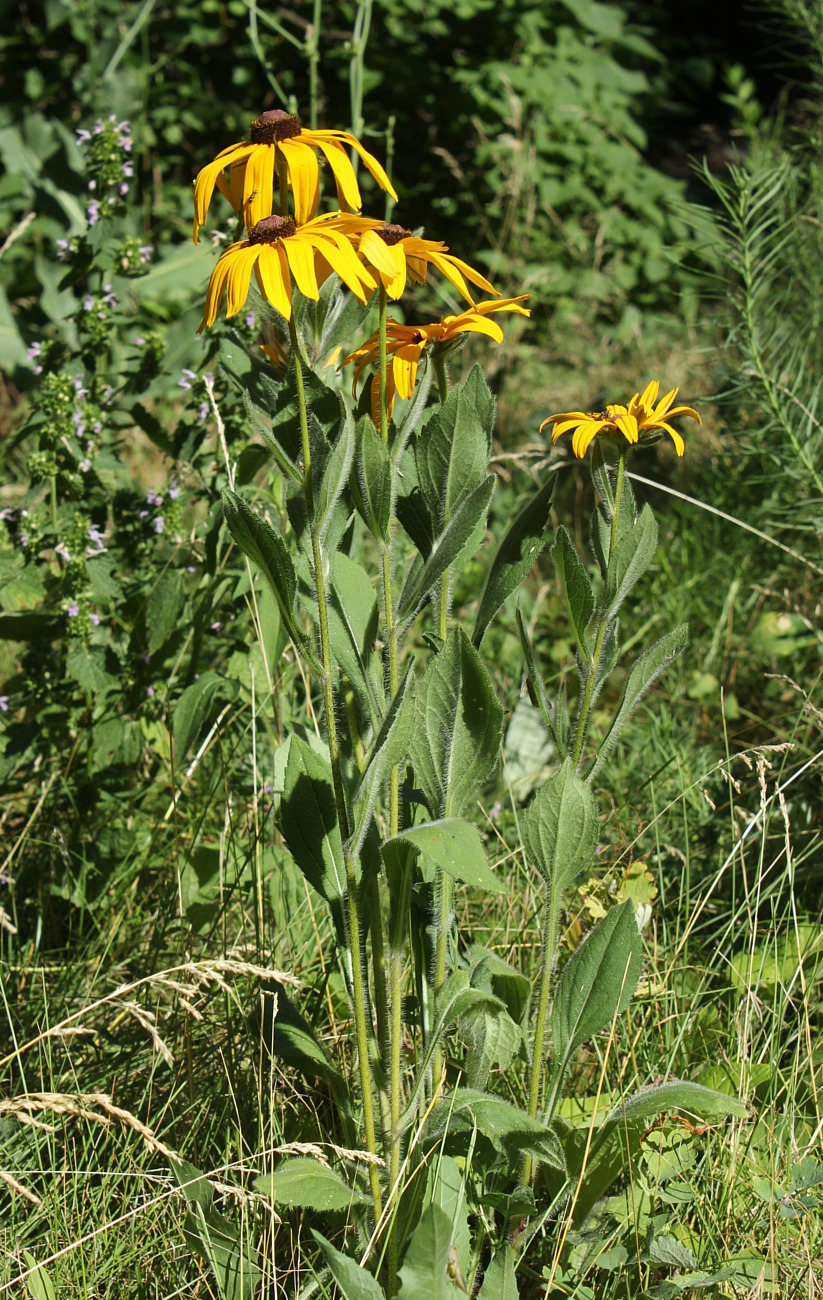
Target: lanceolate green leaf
x,y
499,1281
355,1283
452,455
515,557
596,983
458,725
260,543
233,1261
453,845
194,706
390,747
308,816
630,559
371,480
560,828
335,474
425,1271
468,520
576,588
498,1120
644,673
353,621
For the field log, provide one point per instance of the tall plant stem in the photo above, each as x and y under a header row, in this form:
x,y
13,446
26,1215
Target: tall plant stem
x,y
398,940
358,979
443,884
388,600
603,621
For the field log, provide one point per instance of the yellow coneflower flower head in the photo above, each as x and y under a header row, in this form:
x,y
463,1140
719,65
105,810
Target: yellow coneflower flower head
x,y
279,250
396,254
253,167
405,345
641,421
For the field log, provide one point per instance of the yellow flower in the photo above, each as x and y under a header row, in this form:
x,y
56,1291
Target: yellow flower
x,y
405,345
641,421
277,249
395,253
253,165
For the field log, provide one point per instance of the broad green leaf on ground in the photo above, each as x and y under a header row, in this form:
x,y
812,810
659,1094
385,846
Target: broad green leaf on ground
x,y
516,555
309,1184
233,1260
642,676
425,1271
355,1283
164,605
458,727
38,1282
499,1281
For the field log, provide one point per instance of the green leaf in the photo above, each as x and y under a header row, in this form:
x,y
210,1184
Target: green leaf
x,y
680,1095
12,348
499,1281
390,747
534,682
451,454
90,668
371,481
453,845
644,673
458,727
560,828
194,706
38,1283
516,555
232,1260
329,321
164,606
287,1035
498,1120
425,1271
446,1188
353,621
308,815
576,588
335,474
492,1038
259,542
630,559
309,1184
596,984
668,1250
354,1282
468,521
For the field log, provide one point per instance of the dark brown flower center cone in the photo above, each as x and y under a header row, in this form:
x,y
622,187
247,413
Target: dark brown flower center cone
x,y
270,229
273,125
392,234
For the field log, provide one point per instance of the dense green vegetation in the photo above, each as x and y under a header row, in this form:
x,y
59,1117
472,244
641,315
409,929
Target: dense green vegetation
x,y
177,984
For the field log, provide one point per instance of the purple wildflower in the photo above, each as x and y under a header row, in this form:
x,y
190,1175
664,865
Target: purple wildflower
x,y
94,619
63,551
158,524
73,609
187,379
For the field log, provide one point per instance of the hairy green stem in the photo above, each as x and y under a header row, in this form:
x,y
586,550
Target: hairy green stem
x,y
547,964
358,979
603,621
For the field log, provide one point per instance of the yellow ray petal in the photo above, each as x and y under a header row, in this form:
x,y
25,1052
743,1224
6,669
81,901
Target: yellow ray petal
x,y
664,403
273,278
207,178
650,394
300,256
477,325
683,410
389,260
258,181
348,191
237,284
679,444
304,175
627,425
405,368
214,293
343,259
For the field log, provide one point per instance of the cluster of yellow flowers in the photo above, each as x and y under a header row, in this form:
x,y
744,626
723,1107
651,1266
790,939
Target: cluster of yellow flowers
x,y
305,248
300,246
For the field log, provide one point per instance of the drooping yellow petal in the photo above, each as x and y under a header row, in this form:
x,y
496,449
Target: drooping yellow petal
x,y
371,163
258,186
627,425
571,419
584,435
214,293
405,368
237,284
683,410
207,178
273,278
679,444
348,191
342,258
300,257
469,324
304,175
389,260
